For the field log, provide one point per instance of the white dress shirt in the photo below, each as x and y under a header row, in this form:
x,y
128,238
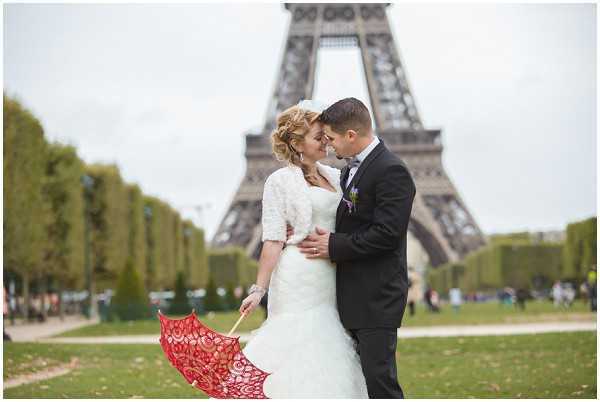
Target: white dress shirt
x,y
361,157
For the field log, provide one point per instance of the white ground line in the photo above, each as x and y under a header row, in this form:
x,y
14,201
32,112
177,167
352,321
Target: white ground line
x,y
499,329
409,332
46,374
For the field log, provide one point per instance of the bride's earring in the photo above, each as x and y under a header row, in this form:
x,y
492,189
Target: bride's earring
x,y
301,157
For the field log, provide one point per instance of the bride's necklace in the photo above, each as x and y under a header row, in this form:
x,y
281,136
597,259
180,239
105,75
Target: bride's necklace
x,y
323,182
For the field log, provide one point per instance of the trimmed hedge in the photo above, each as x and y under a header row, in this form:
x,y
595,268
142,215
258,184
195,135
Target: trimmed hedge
x,y
27,214
109,224
137,232
580,249
501,264
232,267
44,219
195,264
65,231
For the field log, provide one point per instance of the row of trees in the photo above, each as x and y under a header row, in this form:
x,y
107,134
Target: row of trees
x,y
231,267
61,215
518,262
579,252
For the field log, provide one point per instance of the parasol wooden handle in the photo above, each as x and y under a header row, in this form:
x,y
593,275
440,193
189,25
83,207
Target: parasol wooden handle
x,y
237,323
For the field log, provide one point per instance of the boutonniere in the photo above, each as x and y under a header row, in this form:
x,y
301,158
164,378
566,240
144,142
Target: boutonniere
x,y
352,203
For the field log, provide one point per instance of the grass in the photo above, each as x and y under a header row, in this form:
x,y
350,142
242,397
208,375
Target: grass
x,y
494,313
556,365
30,360
471,313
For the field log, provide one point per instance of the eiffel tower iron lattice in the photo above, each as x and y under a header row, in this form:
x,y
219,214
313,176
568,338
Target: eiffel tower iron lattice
x,y
440,219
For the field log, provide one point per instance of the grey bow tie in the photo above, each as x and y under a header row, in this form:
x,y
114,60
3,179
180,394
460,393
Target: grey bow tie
x,y
353,162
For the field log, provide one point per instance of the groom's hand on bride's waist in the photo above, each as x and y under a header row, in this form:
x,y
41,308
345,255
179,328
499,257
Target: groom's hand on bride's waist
x,y
316,245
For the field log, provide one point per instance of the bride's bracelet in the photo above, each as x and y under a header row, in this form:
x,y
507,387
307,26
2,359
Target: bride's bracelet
x,y
257,289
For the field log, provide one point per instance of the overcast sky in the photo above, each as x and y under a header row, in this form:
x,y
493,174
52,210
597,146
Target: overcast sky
x,y
167,92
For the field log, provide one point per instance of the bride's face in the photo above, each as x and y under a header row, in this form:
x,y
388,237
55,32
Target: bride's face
x,y
315,143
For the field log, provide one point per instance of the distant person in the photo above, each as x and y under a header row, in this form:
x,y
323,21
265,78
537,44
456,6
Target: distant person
x,y
568,295
6,311
591,284
584,292
435,301
522,296
557,294
500,295
455,299
411,299
510,296
427,298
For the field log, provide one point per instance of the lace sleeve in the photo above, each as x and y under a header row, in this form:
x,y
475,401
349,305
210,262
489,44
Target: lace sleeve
x,y
273,218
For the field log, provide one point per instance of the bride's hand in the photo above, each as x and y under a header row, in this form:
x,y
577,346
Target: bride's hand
x,y
250,303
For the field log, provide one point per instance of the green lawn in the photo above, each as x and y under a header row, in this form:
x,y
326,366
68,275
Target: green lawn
x,y
494,313
471,313
558,365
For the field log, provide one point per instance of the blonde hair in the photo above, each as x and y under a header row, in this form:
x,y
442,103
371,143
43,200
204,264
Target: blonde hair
x,y
293,124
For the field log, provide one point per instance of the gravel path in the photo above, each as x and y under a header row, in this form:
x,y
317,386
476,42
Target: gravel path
x,y
33,331
410,332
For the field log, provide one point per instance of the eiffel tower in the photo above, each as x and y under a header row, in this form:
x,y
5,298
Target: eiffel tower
x,y
440,220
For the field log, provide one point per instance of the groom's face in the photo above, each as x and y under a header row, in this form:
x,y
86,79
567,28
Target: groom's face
x,y
342,143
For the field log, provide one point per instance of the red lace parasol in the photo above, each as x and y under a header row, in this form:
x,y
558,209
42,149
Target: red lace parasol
x,y
211,362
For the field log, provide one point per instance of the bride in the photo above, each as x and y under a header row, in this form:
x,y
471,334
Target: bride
x,y
302,342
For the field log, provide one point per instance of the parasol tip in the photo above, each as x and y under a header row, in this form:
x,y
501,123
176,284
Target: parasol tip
x,y
194,383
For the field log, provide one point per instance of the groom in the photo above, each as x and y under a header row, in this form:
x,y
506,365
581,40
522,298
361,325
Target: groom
x,y
369,243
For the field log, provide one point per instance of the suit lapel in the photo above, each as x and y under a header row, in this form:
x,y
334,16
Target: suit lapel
x,y
343,177
342,209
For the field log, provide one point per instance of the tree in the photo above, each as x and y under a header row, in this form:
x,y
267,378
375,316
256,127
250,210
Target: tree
x,y
130,301
180,304
64,253
212,301
230,299
26,212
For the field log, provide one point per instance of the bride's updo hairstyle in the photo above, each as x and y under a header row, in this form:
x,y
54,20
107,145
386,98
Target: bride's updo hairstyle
x,y
292,126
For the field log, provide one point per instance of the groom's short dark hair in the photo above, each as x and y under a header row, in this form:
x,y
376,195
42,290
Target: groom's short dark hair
x,y
347,114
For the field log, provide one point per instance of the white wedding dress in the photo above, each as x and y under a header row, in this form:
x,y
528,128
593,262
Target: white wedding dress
x,y
302,342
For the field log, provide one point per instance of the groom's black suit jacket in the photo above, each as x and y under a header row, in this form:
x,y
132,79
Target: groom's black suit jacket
x,y
369,244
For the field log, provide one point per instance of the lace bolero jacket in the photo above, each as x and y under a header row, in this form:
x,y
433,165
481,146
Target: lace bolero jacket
x,y
286,199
